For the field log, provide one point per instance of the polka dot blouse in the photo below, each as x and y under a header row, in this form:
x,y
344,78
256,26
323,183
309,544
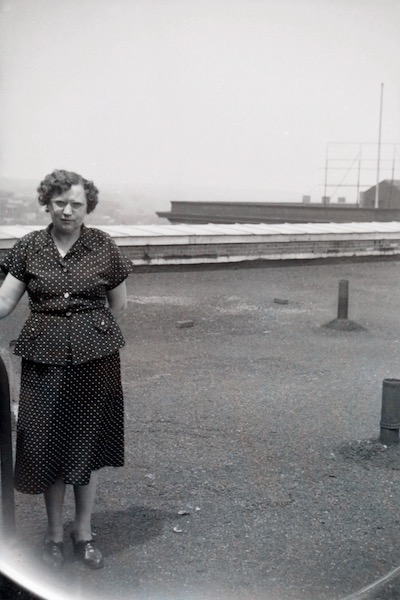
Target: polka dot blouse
x,y
70,322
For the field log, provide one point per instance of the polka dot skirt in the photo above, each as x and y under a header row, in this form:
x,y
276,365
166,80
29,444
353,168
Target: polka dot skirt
x,y
70,422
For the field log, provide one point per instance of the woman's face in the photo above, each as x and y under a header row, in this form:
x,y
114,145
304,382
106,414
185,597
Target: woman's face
x,y
68,210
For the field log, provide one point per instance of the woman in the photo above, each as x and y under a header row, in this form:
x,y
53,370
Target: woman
x,y
70,421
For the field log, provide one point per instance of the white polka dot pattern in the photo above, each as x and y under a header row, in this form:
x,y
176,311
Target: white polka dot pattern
x,y
70,419
70,422
70,319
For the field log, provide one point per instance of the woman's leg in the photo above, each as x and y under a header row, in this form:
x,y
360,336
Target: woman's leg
x,y
84,547
84,502
54,500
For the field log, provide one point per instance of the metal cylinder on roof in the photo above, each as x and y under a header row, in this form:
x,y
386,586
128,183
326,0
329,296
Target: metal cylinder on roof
x,y
390,413
343,301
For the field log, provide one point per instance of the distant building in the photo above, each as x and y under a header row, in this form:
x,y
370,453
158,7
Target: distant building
x,y
264,212
389,195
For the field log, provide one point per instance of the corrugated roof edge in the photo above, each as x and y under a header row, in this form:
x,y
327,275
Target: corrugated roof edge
x,y
14,232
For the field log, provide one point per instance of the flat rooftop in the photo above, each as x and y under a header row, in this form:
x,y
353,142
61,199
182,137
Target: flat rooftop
x,y
253,470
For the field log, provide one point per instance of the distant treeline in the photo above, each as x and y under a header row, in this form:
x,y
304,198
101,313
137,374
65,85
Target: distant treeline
x,y
115,208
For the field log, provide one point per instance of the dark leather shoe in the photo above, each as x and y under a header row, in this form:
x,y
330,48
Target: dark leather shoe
x,y
53,554
88,553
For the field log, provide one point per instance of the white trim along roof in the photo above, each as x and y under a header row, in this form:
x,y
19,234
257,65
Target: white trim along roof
x,y
17,231
176,244
138,235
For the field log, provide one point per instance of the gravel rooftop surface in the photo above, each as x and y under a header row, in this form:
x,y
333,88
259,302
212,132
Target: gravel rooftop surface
x,y
254,468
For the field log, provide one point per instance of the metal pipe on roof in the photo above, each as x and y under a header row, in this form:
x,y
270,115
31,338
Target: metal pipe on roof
x,y
343,300
390,412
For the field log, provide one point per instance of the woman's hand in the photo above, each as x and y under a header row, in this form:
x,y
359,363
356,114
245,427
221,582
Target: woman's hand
x,y
11,293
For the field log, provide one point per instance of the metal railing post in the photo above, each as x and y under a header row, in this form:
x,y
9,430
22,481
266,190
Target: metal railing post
x,y
7,471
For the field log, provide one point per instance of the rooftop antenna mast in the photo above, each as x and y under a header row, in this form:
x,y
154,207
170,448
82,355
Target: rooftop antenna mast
x,y
379,151
394,162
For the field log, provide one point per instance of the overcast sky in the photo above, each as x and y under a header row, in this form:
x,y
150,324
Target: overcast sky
x,y
240,94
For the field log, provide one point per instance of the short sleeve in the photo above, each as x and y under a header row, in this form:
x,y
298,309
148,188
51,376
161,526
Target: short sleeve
x,y
15,261
120,266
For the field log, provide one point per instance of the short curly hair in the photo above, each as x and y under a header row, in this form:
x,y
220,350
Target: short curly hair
x,y
59,181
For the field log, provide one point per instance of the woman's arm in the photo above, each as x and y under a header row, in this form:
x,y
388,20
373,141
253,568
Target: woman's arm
x,y
117,299
11,293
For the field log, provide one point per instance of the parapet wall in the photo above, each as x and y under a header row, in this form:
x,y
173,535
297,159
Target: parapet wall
x,y
160,245
269,250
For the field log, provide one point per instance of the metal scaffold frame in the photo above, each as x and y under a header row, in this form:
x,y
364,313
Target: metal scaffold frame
x,y
352,163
